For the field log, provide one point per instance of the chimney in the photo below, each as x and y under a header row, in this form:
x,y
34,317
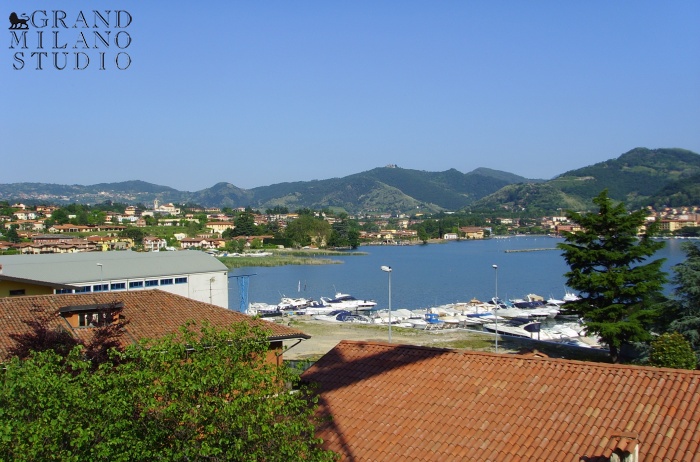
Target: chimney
x,y
624,446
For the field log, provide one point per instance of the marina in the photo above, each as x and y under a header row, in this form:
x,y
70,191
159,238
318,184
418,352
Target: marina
x,y
438,287
426,276
502,318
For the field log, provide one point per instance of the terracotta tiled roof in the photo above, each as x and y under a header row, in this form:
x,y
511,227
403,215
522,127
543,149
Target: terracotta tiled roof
x,y
409,403
151,314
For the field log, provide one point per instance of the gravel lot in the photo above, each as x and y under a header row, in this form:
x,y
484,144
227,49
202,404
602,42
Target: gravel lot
x,y
326,335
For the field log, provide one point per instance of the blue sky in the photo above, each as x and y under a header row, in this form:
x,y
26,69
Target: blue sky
x,y
255,93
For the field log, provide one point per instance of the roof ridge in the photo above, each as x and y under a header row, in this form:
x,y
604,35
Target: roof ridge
x,y
528,357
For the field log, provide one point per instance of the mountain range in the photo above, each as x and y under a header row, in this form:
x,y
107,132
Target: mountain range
x,y
639,178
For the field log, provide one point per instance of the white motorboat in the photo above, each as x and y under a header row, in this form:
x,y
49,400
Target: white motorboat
x,y
571,297
530,330
451,322
292,304
418,323
347,302
342,316
263,310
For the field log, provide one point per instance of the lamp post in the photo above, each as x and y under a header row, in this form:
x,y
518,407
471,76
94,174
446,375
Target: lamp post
x,y
495,304
387,269
101,278
212,279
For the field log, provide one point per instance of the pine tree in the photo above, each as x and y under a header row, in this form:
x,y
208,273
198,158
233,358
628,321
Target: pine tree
x,y
609,267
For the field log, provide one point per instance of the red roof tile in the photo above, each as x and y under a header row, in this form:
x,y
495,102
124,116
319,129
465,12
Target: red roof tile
x,y
438,404
151,314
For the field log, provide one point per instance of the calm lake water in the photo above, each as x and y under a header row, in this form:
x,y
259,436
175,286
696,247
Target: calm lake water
x,y
427,275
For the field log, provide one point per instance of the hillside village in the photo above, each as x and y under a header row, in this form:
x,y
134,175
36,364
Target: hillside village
x,y
35,230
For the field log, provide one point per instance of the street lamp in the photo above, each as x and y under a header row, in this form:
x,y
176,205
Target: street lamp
x,y
211,279
101,278
387,269
495,305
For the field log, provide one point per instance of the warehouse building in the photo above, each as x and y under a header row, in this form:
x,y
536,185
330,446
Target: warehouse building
x,y
192,274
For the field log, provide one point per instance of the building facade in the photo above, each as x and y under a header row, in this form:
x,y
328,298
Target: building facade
x,y
192,274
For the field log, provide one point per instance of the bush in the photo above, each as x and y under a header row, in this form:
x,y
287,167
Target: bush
x,y
672,350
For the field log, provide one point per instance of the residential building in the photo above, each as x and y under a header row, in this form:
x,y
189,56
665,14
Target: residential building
x,y
219,226
51,239
675,225
149,314
68,228
154,243
191,274
202,243
69,246
389,402
472,232
168,209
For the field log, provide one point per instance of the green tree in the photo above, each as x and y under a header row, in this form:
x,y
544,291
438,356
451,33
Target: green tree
x,y
423,235
609,267
672,350
60,216
235,245
277,210
354,238
308,229
193,227
245,225
200,395
11,234
135,234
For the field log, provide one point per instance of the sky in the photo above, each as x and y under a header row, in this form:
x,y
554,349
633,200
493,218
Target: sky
x,y
255,93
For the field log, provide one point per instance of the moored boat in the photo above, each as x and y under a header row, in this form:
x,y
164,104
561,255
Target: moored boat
x,y
347,302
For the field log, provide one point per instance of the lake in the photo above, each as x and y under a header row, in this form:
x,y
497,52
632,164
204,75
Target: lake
x,y
427,275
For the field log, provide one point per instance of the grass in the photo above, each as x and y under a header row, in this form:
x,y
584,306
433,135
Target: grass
x,y
275,260
283,257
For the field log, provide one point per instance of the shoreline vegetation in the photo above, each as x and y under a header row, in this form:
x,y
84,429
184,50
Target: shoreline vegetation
x,y
283,257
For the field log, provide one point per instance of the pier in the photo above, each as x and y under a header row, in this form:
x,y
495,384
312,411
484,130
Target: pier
x,y
530,250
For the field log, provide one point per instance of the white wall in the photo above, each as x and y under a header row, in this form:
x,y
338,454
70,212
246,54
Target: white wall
x,y
211,287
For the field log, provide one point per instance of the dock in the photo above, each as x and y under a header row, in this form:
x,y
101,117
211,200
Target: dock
x,y
530,250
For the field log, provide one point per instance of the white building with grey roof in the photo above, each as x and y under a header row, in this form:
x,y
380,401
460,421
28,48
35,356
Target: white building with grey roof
x,y
189,273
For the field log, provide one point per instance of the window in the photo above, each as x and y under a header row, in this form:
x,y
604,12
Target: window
x,y
16,292
166,282
93,319
63,291
81,290
181,280
152,283
135,284
117,286
100,288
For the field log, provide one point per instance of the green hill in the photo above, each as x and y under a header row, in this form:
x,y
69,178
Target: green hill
x,y
639,177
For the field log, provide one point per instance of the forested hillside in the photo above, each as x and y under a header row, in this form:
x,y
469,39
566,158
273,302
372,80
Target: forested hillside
x,y
639,177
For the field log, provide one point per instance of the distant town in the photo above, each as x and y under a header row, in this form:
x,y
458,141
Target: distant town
x,y
44,229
